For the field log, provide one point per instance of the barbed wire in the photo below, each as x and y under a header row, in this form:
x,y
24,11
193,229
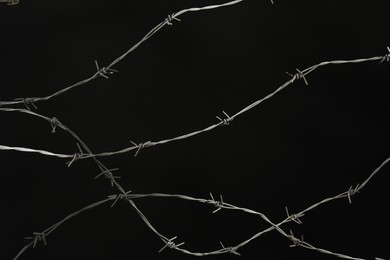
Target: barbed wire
x,y
126,196
301,74
101,71
106,71
106,172
129,197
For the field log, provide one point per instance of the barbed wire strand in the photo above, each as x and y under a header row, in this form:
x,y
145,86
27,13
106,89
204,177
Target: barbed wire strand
x,y
128,196
42,235
101,72
290,217
104,170
222,121
107,70
227,120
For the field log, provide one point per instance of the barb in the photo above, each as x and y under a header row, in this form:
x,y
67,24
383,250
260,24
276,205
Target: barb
x,y
231,250
110,176
76,156
217,204
171,18
121,196
141,146
54,123
38,236
296,241
170,244
27,102
294,217
225,121
386,57
352,191
104,71
297,76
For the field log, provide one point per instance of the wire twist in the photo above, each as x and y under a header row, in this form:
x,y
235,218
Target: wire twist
x,y
27,102
295,241
216,203
231,250
294,217
108,175
352,191
170,244
38,236
297,76
121,196
141,146
225,121
170,19
76,156
104,71
386,57
54,123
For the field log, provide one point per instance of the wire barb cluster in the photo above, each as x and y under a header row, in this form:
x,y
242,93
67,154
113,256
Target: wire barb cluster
x,y
76,156
297,76
226,120
170,18
38,236
170,244
230,249
295,241
27,102
104,71
218,204
294,217
352,191
121,196
386,57
109,175
54,123
141,146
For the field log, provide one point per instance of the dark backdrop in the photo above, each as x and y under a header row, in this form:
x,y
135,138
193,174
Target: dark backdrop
x,y
305,144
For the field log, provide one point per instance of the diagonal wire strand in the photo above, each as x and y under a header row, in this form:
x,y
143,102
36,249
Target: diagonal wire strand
x,y
103,71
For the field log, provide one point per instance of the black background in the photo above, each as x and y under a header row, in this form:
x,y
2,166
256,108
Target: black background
x,y
305,144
